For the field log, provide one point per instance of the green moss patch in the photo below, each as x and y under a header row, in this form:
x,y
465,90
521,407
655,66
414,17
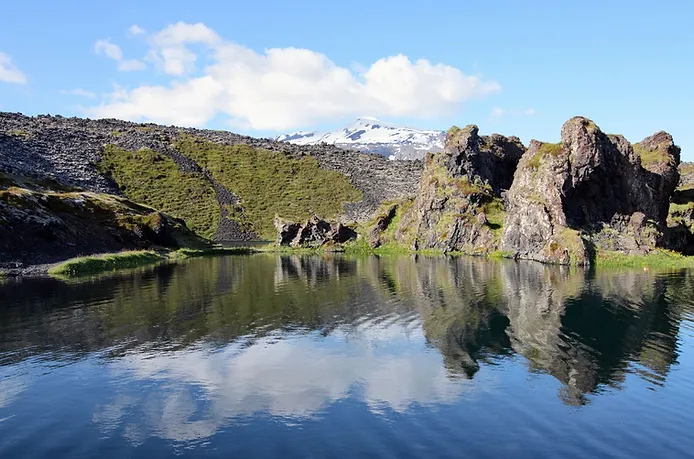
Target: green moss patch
x,y
106,262
98,264
155,180
553,149
658,259
495,213
270,183
651,157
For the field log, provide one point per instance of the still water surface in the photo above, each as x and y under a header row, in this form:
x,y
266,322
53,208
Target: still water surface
x,y
270,356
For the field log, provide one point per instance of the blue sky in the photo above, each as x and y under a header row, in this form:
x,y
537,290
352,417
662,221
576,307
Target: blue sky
x,y
518,68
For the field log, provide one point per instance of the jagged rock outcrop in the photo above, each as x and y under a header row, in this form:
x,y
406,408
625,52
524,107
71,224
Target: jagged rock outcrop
x,y
458,205
680,231
314,233
592,190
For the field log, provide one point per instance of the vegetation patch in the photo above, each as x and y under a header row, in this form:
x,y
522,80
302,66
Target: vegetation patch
x,y
361,247
552,149
496,213
270,183
650,157
107,262
18,133
97,264
151,178
658,259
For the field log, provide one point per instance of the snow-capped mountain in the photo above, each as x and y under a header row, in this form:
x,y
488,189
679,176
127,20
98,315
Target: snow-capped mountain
x,y
372,135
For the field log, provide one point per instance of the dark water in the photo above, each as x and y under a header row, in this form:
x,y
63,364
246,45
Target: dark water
x,y
300,357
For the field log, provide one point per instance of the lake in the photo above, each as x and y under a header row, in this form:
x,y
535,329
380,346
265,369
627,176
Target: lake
x,y
270,356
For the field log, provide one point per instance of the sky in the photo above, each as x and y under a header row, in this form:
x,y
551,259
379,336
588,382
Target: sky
x,y
272,67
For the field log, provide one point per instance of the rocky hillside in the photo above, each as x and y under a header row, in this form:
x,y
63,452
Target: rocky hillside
x,y
45,222
226,186
375,136
557,203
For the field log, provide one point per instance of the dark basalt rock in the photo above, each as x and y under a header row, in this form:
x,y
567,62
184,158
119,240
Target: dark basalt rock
x,y
286,231
591,191
460,192
680,231
491,160
314,233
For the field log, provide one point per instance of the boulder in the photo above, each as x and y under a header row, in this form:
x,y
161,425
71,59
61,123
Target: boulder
x,y
314,233
567,199
458,205
286,230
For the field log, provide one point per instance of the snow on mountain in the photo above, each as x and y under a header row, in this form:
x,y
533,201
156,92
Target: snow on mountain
x,y
371,135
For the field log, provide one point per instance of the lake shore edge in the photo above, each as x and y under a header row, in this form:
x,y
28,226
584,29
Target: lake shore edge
x,y
116,261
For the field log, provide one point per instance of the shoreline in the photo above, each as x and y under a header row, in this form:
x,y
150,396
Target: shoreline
x,y
116,261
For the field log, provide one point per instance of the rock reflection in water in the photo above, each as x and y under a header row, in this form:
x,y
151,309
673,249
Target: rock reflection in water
x,y
292,335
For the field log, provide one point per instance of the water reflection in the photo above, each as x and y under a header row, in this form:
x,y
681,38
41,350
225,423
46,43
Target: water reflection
x,y
190,349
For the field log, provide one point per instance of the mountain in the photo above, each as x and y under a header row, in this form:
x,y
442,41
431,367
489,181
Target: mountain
x,y
374,136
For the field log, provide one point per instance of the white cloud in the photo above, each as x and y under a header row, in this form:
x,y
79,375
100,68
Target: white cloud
x,y
283,88
498,112
290,379
113,51
108,49
79,92
128,65
135,30
169,46
9,73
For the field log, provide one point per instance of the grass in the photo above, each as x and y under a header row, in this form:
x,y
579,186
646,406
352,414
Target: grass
x,y
455,131
361,247
96,264
153,179
270,183
402,206
658,259
496,213
105,262
553,149
651,157
18,133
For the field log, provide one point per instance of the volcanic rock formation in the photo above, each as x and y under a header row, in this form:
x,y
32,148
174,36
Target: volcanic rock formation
x,y
314,233
458,206
591,191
